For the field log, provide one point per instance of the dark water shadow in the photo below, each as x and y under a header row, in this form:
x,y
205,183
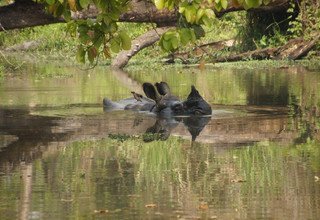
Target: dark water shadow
x,y
162,128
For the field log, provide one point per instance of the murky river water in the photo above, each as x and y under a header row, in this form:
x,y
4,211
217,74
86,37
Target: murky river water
x,y
256,157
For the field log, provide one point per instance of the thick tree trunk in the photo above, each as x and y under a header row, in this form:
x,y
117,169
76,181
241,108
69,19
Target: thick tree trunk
x,y
145,11
26,13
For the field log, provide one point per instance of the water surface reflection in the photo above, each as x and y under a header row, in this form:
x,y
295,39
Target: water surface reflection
x,y
62,157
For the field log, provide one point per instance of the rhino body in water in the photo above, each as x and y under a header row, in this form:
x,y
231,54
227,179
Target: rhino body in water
x,y
160,101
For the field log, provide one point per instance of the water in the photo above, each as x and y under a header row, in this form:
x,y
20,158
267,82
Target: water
x,y
256,157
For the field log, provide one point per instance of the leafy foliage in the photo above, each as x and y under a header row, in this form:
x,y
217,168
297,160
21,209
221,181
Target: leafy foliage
x,y
103,35
307,22
301,19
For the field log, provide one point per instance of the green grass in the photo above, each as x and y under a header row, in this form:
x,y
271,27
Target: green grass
x,y
57,45
54,40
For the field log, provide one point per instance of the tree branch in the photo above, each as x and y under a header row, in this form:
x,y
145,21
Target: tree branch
x,y
27,13
145,40
24,14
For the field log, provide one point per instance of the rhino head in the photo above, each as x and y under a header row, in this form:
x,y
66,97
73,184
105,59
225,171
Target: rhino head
x,y
168,104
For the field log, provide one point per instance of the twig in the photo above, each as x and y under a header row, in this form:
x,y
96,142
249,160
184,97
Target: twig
x,y
2,28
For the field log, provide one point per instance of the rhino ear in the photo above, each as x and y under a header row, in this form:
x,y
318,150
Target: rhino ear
x,y
163,88
150,91
194,93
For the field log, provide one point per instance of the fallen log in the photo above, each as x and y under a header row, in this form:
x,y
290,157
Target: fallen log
x,y
201,50
259,54
293,50
297,48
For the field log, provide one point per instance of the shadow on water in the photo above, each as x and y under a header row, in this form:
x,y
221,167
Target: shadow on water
x,y
257,156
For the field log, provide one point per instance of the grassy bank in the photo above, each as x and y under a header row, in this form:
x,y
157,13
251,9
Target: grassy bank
x,y
53,43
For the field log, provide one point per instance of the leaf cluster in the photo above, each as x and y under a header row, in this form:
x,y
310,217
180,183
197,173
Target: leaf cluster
x,y
307,22
103,36
97,36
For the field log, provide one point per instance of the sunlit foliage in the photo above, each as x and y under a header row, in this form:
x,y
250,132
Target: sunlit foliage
x,y
103,35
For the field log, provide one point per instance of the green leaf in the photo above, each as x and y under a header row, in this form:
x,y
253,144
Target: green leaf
x,y
159,4
190,13
92,54
103,5
109,27
185,36
218,6
224,3
115,45
253,3
167,45
170,4
181,9
207,22
168,35
125,39
174,42
59,11
245,6
84,38
72,28
199,32
113,27
83,29
210,13
84,3
169,41
50,2
67,15
80,56
114,15
98,40
200,13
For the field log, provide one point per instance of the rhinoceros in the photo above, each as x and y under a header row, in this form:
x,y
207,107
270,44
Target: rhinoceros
x,y
160,101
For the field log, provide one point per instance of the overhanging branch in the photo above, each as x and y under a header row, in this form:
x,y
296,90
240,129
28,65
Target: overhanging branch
x,y
27,13
23,14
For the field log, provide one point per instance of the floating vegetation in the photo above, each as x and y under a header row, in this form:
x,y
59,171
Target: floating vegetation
x,y
120,137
